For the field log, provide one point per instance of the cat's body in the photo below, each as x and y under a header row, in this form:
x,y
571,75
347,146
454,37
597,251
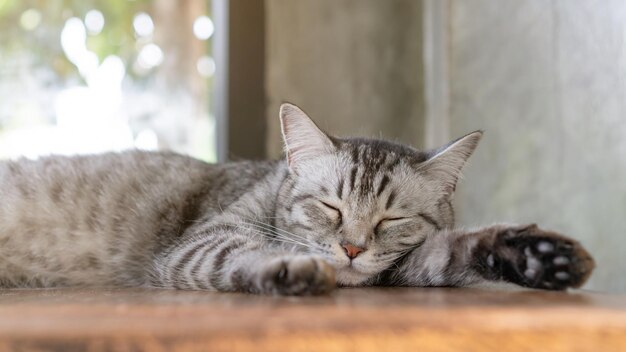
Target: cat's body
x,y
346,211
101,219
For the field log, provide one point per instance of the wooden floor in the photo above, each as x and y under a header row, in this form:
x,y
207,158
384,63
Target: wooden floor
x,y
361,320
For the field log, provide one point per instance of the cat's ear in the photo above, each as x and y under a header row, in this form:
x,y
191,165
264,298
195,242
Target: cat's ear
x,y
303,139
444,165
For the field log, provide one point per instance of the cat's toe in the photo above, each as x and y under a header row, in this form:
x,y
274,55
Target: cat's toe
x,y
298,275
551,261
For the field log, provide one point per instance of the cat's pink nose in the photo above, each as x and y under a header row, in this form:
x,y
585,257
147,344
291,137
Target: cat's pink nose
x,y
351,250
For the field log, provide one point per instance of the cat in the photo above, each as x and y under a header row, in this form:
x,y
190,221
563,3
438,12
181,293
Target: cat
x,y
335,212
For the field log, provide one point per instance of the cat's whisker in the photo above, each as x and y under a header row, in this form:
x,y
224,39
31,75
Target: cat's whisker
x,y
278,229
264,232
270,237
278,236
268,229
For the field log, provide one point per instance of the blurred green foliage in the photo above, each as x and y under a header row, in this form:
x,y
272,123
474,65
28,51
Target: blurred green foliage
x,y
43,42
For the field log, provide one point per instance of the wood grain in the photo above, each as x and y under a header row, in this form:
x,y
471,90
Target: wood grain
x,y
372,319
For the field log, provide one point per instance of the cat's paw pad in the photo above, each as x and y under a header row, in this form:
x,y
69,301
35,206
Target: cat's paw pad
x,y
542,259
555,263
298,275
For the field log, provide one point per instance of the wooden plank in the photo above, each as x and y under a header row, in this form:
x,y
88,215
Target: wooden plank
x,y
372,319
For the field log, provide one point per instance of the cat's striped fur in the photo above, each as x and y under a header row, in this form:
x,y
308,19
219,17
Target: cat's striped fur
x,y
337,211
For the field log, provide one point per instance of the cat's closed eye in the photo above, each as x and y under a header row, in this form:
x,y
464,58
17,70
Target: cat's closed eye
x,y
388,221
332,208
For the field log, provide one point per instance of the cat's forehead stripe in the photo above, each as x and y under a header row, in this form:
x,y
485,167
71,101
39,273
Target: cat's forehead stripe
x,y
392,197
354,152
369,163
353,177
382,185
340,189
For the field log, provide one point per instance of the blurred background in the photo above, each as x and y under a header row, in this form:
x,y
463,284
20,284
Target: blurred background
x,y
91,76
544,79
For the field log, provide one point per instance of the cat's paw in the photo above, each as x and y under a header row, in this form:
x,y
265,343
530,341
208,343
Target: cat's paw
x,y
532,257
297,275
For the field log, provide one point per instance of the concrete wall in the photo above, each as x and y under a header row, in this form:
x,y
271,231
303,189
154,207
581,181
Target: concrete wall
x,y
546,80
353,65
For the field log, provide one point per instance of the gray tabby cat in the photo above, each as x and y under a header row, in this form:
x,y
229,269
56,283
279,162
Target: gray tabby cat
x,y
351,212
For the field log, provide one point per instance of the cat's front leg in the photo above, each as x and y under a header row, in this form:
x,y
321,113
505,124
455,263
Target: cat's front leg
x,y
524,255
291,275
228,258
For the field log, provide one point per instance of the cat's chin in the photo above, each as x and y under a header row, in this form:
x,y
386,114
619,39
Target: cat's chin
x,y
351,277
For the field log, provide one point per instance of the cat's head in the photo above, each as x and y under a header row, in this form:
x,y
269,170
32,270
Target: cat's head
x,y
362,203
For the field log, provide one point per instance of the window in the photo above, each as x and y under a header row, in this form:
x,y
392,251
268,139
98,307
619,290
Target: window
x,y
82,77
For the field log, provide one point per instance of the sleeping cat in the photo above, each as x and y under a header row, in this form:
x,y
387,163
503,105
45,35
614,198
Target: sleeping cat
x,y
337,211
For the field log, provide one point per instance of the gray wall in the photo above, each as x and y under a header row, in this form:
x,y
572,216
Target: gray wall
x,y
353,65
546,80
